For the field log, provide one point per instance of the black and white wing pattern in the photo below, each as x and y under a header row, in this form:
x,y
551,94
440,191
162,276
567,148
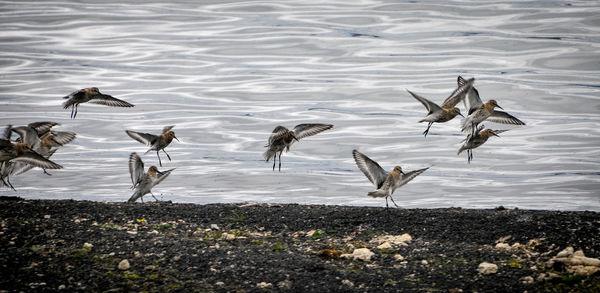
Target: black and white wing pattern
x,y
162,175
504,118
308,129
28,135
429,105
42,127
102,99
36,160
472,100
136,169
407,177
464,86
370,168
7,132
277,133
145,138
73,98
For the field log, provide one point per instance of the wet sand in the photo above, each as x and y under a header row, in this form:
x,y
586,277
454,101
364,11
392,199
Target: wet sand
x,y
51,245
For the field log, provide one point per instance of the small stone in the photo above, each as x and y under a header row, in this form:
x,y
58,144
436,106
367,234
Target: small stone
x,y
153,232
486,268
310,233
47,216
150,268
263,285
62,287
363,254
131,232
286,284
137,254
227,236
565,252
384,245
424,262
398,257
124,265
348,283
527,280
88,245
177,258
502,245
219,283
214,227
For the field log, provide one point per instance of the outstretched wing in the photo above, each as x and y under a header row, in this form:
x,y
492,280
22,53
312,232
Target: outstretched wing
x,y
136,168
459,93
72,98
36,160
370,168
42,127
145,138
410,176
62,137
7,132
304,130
162,176
472,100
107,100
474,133
504,118
429,105
28,135
167,128
277,133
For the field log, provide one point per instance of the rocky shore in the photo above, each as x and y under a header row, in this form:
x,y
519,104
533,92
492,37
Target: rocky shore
x,y
64,245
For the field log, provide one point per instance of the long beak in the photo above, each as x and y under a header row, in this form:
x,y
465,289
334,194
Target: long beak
x,y
495,134
402,172
160,173
499,107
175,137
461,115
295,138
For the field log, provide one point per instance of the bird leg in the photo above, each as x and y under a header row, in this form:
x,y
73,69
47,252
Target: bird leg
x,y
46,172
168,157
280,161
154,196
393,201
427,130
7,183
72,109
274,161
159,162
76,106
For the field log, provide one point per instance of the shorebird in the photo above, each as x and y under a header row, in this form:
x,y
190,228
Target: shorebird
x,y
386,183
476,139
479,112
18,152
143,182
283,138
448,110
91,95
42,139
156,142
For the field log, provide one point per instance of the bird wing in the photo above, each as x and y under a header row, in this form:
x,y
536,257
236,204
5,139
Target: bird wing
x,y
504,118
42,127
19,168
136,168
63,137
28,135
459,93
410,176
475,133
7,132
162,176
107,100
370,168
74,96
431,106
145,138
167,128
277,133
36,160
304,130
472,100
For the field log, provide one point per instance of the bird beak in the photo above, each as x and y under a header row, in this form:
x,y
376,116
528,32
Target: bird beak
x,y
295,138
160,173
461,115
402,172
495,134
499,107
175,137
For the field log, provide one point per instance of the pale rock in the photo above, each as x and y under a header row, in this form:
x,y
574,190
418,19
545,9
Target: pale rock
x,y
398,257
384,245
401,240
363,254
227,236
88,245
310,233
503,246
424,262
214,227
348,283
486,268
62,287
527,280
219,283
565,252
124,265
286,284
131,232
47,216
264,285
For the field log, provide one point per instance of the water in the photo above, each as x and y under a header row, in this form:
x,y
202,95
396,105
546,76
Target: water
x,y
227,73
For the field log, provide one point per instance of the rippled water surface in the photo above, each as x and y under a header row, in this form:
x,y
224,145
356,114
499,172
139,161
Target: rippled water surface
x,y
227,72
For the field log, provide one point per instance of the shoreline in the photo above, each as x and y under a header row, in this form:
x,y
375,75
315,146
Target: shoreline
x,y
50,245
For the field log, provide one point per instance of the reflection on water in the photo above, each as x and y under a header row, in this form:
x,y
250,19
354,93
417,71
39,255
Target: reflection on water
x,y
227,73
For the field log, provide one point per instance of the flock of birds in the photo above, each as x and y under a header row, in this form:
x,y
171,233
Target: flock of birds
x,y
37,142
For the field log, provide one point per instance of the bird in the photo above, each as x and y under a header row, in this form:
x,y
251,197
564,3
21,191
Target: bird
x,y
283,138
448,110
19,152
386,183
143,182
42,139
476,139
156,142
91,95
478,112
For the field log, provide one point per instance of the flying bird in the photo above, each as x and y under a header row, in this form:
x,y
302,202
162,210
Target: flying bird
x,y
386,183
93,96
143,182
476,139
283,138
156,142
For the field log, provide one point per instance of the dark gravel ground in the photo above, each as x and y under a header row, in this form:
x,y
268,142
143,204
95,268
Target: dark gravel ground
x,y
64,245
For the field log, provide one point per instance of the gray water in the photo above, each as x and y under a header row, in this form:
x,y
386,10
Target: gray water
x,y
227,72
